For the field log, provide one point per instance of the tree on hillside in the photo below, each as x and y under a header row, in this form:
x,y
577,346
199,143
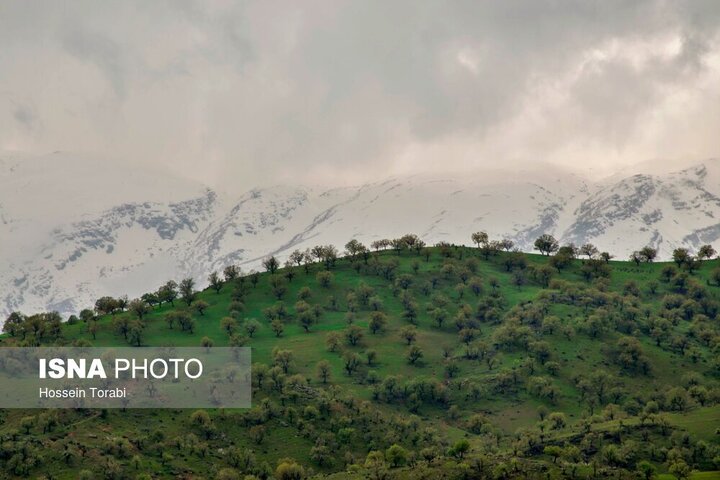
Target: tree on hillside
x,y
543,274
106,305
377,322
332,341
325,279
439,315
606,257
381,244
283,359
354,248
168,292
546,244
231,272
506,244
680,256
200,306
353,334
636,257
306,320
648,254
715,276
13,325
415,353
706,252
86,315
121,325
278,283
589,250
278,327
327,254
207,343
351,361
187,290
215,282
150,298
135,332
297,257
122,303
289,469
251,327
271,264
563,258
324,371
409,334
139,308
479,238
229,324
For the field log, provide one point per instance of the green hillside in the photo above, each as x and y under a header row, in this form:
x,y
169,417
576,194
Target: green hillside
x,y
409,362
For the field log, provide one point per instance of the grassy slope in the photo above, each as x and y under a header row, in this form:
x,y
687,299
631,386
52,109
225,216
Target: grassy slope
x,y
581,355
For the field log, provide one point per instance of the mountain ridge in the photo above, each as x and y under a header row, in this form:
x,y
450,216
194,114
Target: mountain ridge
x,y
129,242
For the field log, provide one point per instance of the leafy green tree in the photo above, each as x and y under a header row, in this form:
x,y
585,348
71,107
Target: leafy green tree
x,y
415,353
135,333
200,306
106,305
680,256
553,451
323,370
187,290
648,254
278,284
206,343
371,356
168,292
215,281
228,474
460,448
288,469
251,327
231,272
546,244
278,327
353,335
557,420
351,361
396,455
589,250
229,325
271,264
409,334
332,341
378,321
283,359
706,252
646,470
13,325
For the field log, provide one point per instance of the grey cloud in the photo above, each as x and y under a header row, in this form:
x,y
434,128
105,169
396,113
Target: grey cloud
x,y
99,50
253,92
26,116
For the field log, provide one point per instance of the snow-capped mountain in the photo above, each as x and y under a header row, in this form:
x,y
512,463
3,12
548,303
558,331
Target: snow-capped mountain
x,y
72,229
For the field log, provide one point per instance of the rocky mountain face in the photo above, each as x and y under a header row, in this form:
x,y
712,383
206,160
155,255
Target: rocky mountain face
x,y
71,231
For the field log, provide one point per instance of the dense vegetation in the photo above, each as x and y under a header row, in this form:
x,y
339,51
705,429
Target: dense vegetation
x,y
407,361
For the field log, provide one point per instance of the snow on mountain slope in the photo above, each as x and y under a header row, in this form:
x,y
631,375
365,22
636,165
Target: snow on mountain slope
x,y
667,211
278,220
71,232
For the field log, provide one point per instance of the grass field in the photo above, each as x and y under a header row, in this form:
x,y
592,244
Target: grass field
x,y
544,372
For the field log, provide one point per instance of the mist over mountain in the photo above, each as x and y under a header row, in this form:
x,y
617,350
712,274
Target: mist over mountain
x,y
71,232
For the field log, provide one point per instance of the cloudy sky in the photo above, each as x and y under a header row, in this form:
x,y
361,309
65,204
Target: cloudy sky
x,y
243,93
